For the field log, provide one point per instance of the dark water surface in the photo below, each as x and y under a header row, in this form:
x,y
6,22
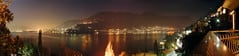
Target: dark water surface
x,y
93,44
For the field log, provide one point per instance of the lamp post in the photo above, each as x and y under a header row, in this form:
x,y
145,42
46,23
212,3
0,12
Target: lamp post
x,y
233,14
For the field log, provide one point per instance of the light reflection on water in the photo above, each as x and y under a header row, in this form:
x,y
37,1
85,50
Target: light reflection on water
x,y
109,50
96,45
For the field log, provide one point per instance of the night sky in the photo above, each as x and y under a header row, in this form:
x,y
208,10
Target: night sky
x,y
29,13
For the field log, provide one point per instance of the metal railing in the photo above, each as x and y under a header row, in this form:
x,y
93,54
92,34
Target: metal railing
x,y
230,38
219,43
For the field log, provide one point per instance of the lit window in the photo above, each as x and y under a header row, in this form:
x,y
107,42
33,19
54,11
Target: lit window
x,y
224,11
188,32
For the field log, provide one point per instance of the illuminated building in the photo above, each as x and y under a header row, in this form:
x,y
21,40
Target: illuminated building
x,y
80,28
221,20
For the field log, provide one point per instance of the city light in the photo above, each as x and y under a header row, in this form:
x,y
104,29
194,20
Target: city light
x,y
224,48
224,11
161,43
179,43
119,28
217,42
188,32
109,51
218,21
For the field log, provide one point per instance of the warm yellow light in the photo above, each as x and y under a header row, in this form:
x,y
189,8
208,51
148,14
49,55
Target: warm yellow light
x,y
96,32
162,43
84,23
117,33
224,48
231,13
109,51
122,54
224,11
233,19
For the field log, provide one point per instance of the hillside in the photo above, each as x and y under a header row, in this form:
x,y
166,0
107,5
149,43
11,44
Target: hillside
x,y
105,20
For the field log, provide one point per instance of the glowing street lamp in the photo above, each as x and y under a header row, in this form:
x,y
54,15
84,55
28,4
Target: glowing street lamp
x,y
233,19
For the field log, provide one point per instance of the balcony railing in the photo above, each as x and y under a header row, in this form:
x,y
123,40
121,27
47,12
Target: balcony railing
x,y
219,43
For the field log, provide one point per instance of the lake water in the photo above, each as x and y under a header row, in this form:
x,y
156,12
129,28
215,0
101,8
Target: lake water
x,y
94,44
